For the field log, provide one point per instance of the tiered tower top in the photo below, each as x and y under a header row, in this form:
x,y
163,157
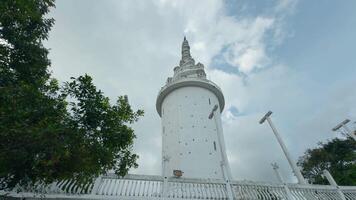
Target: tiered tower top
x,y
188,74
187,67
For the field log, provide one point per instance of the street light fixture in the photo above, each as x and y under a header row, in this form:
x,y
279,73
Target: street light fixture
x,y
225,167
341,124
269,113
346,129
224,163
294,167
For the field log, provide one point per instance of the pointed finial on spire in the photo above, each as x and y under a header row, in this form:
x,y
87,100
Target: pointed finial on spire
x,y
185,49
187,59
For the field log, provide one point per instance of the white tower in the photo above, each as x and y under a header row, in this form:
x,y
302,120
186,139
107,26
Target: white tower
x,y
191,142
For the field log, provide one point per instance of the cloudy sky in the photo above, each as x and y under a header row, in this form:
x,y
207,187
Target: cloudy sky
x,y
294,57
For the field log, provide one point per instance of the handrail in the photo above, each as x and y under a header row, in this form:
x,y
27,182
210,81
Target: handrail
x,y
152,187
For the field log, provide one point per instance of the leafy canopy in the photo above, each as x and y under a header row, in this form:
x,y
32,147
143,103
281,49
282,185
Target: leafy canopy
x,y
50,132
337,156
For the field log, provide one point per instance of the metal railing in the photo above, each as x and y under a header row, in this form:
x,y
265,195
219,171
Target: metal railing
x,y
157,187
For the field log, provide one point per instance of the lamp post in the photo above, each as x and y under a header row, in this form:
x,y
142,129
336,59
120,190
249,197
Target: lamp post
x,y
294,167
281,180
224,164
345,127
332,182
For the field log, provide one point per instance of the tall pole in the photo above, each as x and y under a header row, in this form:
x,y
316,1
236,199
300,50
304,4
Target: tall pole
x,y
281,180
294,167
278,174
224,164
333,183
165,178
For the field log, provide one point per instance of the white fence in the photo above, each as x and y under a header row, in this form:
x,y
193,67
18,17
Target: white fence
x,y
156,187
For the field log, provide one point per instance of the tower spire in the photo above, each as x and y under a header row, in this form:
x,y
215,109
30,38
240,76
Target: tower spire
x,y
185,49
189,86
187,59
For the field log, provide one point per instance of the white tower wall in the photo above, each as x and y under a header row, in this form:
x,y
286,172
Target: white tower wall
x,y
191,142
189,138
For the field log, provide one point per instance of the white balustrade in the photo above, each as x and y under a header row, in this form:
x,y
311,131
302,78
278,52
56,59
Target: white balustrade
x,y
135,186
349,192
260,191
314,192
151,187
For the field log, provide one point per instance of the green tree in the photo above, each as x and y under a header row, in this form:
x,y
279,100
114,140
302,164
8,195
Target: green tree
x,y
337,156
50,132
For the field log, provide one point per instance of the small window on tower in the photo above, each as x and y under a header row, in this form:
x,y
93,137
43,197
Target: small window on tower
x,y
164,129
214,145
209,101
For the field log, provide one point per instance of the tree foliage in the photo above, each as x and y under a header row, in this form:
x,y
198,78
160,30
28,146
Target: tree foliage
x,y
337,156
50,132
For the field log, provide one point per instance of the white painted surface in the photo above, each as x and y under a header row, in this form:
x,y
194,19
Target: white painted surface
x,y
191,142
189,138
143,187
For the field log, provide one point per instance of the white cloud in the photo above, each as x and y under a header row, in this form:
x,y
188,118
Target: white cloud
x,y
210,30
249,51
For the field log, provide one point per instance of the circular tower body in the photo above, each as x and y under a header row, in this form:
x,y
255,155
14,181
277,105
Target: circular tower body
x,y
191,141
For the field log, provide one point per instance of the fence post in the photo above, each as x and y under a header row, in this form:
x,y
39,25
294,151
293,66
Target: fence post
x,y
165,188
230,193
97,183
333,183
